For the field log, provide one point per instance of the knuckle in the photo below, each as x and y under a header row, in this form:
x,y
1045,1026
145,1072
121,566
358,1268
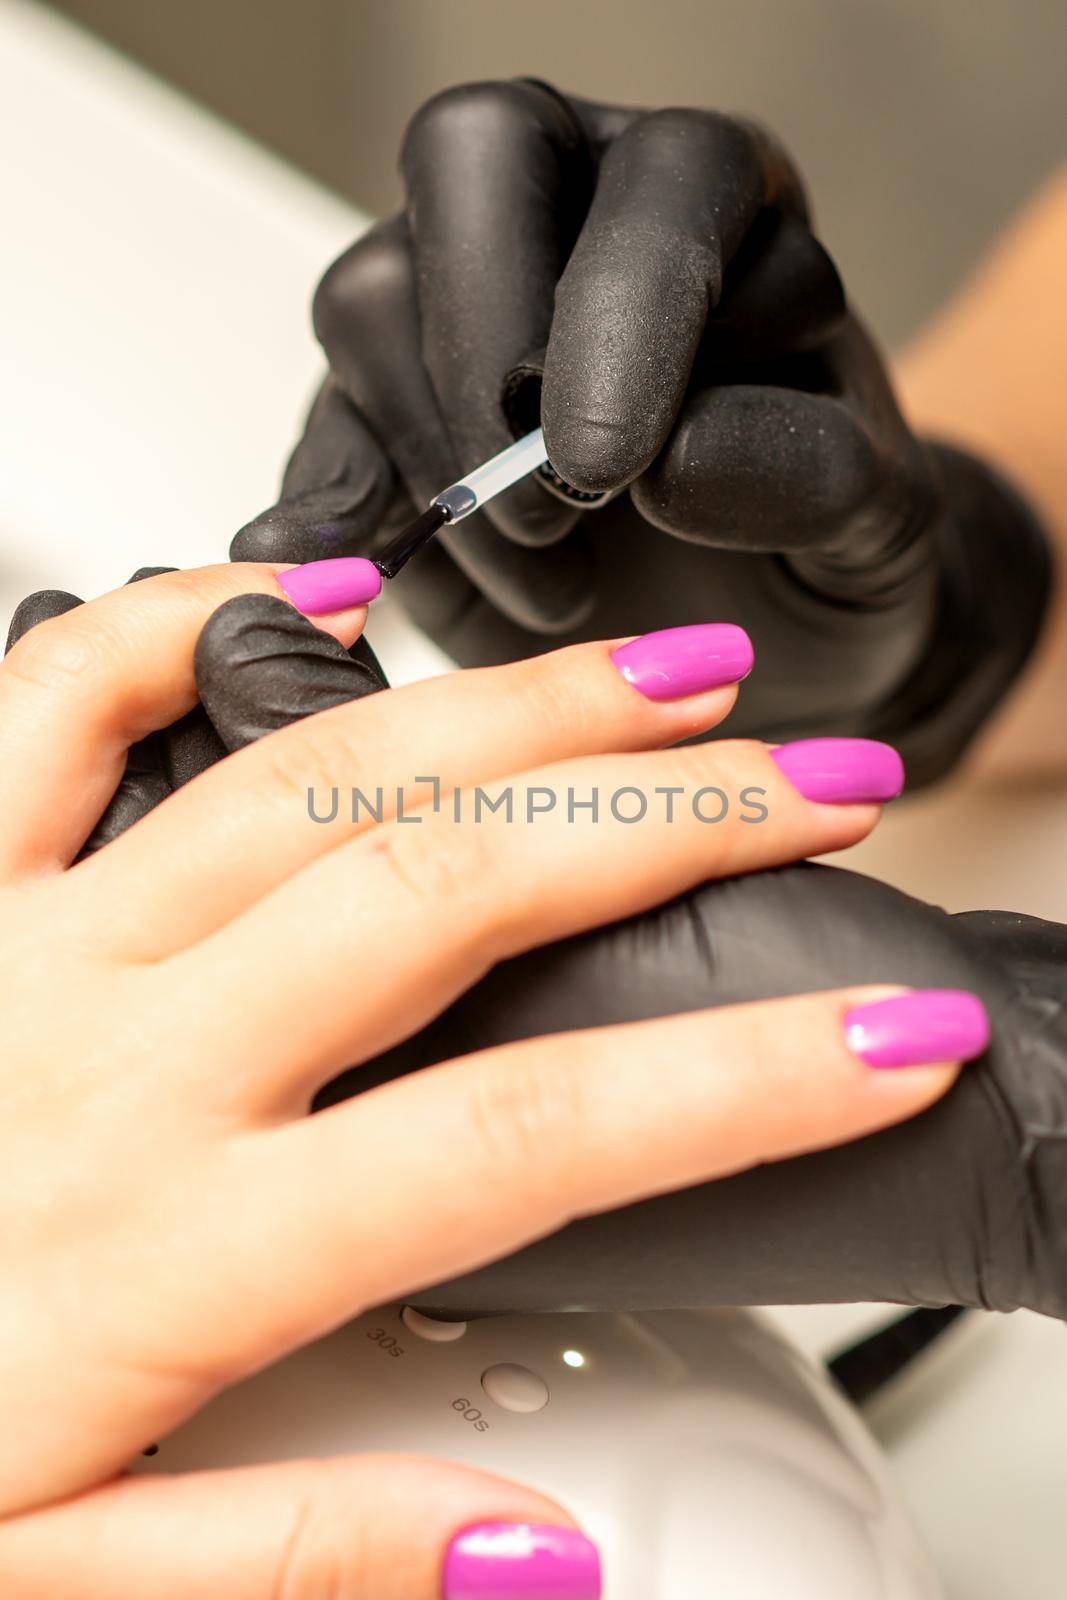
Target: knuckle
x,y
217,586
438,866
748,778
729,764
192,593
63,654
553,695
317,1556
527,1115
312,757
716,776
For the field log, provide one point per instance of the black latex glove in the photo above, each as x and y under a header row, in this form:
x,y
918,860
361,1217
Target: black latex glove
x,y
660,270
965,1204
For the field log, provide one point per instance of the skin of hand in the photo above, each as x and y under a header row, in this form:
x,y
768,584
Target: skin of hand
x,y
173,1217
988,374
648,285
168,757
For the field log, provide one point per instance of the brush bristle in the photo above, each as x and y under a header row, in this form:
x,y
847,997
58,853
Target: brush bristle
x,y
399,551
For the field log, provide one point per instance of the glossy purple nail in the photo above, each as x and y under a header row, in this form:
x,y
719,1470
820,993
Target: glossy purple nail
x,y
922,1026
319,587
676,662
520,1561
842,771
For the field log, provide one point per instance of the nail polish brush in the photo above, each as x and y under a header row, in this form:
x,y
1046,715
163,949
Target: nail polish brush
x,y
467,494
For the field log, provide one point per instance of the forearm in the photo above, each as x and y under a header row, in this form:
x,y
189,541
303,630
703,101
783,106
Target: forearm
x,y
988,375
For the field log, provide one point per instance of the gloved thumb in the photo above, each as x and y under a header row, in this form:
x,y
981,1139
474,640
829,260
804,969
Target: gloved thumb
x,y
261,665
379,1527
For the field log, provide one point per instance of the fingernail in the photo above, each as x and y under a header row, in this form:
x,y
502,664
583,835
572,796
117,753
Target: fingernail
x,y
675,662
319,587
922,1026
842,771
521,1561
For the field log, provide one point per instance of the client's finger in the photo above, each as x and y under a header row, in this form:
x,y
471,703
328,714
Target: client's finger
x,y
78,689
157,764
376,1527
260,665
368,943
555,1128
245,827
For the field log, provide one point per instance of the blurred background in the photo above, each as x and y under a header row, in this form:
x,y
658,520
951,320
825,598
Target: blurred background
x,y
919,123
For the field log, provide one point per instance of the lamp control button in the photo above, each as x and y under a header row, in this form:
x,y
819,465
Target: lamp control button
x,y
515,1388
432,1328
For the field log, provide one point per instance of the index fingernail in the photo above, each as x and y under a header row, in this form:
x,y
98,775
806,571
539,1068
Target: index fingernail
x,y
319,587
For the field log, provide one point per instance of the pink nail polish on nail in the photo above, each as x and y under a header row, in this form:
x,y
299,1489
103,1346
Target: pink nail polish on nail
x,y
842,771
319,587
914,1029
676,662
520,1561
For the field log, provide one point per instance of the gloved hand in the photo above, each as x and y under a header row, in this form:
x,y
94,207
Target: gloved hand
x,y
659,272
965,1204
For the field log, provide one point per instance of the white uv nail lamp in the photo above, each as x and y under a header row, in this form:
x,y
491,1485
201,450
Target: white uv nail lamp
x,y
706,1455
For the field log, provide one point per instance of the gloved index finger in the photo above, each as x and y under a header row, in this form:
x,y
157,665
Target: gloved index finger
x,y
676,195
498,179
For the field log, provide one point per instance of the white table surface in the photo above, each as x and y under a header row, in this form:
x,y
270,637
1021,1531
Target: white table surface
x,y
157,358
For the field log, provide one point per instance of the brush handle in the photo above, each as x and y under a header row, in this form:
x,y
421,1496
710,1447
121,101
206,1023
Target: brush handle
x,y
493,476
